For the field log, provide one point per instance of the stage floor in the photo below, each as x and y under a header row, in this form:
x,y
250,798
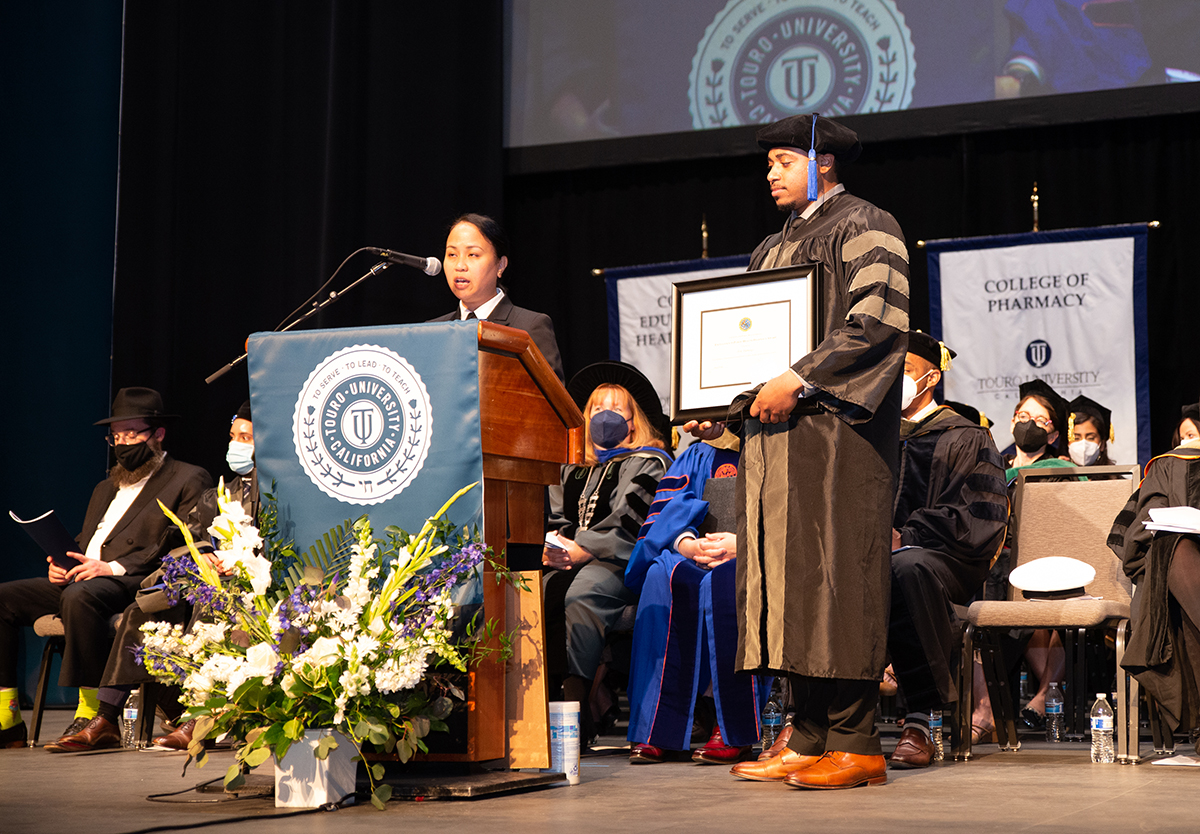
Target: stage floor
x,y
1052,788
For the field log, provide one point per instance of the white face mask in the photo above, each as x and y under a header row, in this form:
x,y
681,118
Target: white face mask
x,y
910,389
1084,452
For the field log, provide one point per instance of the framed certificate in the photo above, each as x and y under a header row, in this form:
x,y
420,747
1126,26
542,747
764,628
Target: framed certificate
x,y
731,333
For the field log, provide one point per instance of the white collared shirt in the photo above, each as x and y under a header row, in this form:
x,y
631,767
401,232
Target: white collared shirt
x,y
483,310
924,412
120,504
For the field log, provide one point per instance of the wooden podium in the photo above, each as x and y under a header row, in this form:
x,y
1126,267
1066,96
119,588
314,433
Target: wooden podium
x,y
529,427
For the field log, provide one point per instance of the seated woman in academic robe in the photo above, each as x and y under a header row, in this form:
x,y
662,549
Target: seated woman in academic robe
x,y
1163,652
685,637
596,512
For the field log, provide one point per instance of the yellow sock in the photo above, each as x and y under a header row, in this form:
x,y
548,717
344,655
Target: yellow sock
x,y
89,702
10,710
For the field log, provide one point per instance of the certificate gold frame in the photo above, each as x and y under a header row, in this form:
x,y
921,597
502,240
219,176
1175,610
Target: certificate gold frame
x,y
733,332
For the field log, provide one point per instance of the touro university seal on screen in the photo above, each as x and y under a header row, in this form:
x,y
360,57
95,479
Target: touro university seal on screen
x,y
764,60
362,424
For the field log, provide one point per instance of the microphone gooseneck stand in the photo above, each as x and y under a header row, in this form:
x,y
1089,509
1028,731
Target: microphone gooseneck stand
x,y
311,310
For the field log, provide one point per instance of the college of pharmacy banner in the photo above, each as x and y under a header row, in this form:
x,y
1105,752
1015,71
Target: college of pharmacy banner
x,y
639,312
1068,307
377,420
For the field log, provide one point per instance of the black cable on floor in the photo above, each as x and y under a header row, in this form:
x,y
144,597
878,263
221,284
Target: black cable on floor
x,y
328,806
158,797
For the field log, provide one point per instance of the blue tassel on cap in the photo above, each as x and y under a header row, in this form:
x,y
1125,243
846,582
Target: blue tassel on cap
x,y
812,161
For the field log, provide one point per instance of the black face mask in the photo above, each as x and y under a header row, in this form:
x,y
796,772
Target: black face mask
x,y
133,455
1030,437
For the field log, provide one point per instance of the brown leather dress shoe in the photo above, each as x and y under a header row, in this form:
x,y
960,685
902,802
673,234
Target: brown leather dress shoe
x,y
775,769
840,770
716,751
775,749
178,739
915,749
99,734
75,726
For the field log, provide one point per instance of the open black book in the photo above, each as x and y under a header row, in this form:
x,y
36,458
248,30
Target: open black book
x,y
51,536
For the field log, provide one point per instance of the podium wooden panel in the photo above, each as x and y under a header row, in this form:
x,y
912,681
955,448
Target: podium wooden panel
x,y
529,427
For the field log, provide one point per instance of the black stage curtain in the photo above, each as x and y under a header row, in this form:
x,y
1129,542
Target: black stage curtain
x,y
60,86
264,142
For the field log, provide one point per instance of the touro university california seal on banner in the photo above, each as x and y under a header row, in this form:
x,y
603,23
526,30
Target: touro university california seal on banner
x,y
362,424
764,60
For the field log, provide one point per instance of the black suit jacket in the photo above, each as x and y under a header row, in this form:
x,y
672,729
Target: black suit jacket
x,y
144,532
537,325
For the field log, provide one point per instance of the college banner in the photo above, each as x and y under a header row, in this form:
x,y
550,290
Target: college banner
x,y
639,312
1067,306
377,420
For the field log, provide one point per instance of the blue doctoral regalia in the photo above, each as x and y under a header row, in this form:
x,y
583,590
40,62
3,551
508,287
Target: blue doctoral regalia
x,y
686,630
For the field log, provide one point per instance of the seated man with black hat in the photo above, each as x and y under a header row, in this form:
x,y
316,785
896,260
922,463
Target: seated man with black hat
x,y
124,535
950,515
124,673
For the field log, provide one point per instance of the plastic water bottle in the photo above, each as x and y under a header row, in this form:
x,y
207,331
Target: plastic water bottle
x,y
129,719
1102,731
1055,720
935,735
1024,695
772,719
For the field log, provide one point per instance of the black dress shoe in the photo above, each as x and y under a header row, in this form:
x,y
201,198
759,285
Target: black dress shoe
x,y
99,734
15,736
1031,721
76,726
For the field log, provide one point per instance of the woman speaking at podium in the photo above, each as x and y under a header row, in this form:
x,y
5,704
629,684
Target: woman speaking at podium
x,y
476,257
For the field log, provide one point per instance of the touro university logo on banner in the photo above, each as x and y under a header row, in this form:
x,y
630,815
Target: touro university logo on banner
x,y
1037,353
362,424
762,61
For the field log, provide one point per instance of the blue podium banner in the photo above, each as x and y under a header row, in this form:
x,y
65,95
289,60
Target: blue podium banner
x,y
378,420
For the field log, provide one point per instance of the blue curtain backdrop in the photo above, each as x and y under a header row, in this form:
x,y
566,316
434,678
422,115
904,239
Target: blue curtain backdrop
x,y
60,66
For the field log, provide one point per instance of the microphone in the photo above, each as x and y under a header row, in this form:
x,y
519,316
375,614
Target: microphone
x,y
430,266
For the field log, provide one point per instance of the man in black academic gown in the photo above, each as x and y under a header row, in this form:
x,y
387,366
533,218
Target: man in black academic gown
x,y
819,463
949,522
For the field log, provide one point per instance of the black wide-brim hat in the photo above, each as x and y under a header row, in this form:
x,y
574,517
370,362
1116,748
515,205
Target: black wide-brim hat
x,y
796,132
628,377
137,403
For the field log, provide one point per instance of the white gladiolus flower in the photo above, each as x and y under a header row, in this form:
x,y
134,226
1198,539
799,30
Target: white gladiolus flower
x,y
206,633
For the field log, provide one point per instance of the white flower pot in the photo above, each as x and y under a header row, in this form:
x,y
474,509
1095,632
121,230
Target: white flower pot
x,y
304,781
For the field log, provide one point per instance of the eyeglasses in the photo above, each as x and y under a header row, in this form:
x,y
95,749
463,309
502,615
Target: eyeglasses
x,y
125,438
1044,422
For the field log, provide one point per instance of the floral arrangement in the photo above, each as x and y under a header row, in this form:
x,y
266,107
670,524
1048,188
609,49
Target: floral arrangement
x,y
362,644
